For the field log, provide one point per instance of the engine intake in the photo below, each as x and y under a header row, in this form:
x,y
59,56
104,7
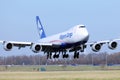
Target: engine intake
x,y
36,48
8,46
96,47
112,44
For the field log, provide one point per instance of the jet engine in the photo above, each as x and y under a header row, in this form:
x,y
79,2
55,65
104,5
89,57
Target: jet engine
x,y
8,46
112,44
36,48
96,47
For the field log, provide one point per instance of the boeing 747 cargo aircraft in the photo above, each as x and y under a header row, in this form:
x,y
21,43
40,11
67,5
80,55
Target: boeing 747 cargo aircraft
x,y
73,40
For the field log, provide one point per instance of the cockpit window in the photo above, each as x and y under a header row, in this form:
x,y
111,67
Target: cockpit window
x,y
81,26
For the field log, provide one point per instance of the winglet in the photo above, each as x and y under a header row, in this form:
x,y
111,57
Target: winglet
x,y
40,28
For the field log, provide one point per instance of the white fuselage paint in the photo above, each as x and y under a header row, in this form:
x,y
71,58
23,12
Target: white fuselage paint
x,y
76,34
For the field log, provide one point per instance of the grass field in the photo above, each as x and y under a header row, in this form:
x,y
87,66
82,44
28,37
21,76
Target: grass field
x,y
56,68
61,75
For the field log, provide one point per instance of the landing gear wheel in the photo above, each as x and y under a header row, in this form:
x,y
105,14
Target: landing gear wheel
x,y
65,55
76,55
49,54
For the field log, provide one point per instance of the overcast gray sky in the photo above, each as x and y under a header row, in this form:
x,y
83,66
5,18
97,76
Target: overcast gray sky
x,y
17,19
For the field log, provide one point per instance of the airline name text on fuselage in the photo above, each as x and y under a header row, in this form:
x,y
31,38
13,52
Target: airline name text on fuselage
x,y
67,35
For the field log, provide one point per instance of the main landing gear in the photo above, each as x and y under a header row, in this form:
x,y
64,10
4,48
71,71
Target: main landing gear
x,y
64,55
57,55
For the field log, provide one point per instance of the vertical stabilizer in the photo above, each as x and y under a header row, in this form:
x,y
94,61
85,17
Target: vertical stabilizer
x,y
40,28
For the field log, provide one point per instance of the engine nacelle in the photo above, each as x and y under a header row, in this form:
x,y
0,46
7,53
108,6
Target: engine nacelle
x,y
112,44
96,47
36,48
8,46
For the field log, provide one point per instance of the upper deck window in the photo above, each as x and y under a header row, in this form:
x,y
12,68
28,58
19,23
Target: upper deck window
x,y
81,26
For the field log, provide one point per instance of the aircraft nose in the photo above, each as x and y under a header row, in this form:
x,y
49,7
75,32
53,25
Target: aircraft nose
x,y
86,36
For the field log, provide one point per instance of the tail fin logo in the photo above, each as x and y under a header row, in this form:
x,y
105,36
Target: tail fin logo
x,y
40,28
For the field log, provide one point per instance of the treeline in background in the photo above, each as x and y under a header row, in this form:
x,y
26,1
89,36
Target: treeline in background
x,y
84,59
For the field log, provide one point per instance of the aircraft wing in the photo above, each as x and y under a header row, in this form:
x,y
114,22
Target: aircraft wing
x,y
35,46
96,46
